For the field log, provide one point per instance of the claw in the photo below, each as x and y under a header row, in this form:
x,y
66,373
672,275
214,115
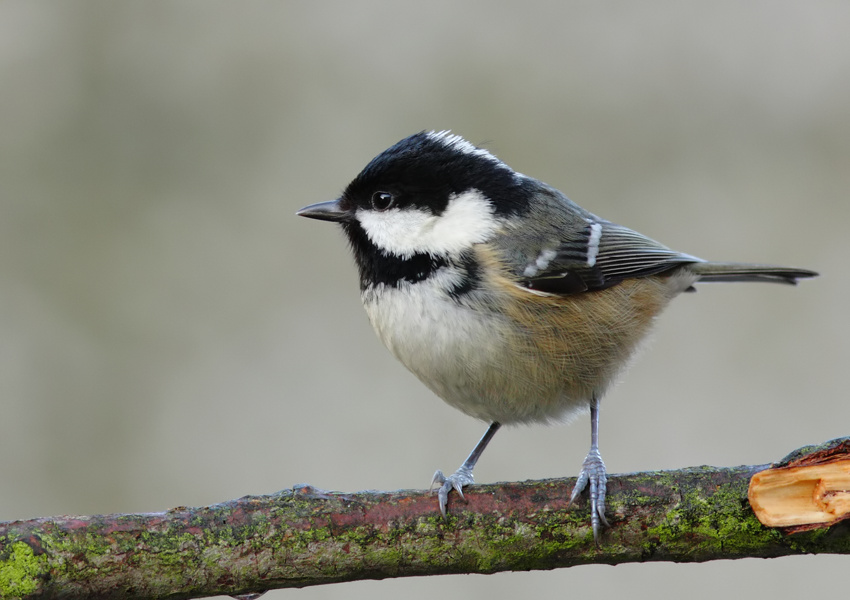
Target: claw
x,y
463,476
438,478
456,481
593,473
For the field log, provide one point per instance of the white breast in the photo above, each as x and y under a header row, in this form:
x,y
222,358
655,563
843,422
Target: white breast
x,y
464,355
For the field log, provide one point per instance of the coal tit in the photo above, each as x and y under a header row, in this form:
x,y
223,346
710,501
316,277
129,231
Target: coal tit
x,y
508,300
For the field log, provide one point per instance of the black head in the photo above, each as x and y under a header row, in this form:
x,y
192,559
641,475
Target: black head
x,y
425,169
424,200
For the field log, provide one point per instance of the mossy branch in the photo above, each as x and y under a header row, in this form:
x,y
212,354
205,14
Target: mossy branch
x,y
304,536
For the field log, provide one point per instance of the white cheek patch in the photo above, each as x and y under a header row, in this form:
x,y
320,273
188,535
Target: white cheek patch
x,y
468,219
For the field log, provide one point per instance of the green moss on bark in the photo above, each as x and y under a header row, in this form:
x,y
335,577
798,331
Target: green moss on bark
x,y
19,571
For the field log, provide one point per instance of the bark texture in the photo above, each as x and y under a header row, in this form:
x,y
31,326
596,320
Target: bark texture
x,y
305,536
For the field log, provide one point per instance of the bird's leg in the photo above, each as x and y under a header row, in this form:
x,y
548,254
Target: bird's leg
x,y
593,472
463,476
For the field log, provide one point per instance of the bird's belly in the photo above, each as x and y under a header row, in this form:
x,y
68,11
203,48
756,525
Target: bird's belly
x,y
472,359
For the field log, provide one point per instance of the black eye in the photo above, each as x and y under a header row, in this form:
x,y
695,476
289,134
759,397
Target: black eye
x,y
382,200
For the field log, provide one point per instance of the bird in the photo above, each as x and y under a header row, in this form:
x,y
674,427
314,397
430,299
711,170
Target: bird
x,y
505,298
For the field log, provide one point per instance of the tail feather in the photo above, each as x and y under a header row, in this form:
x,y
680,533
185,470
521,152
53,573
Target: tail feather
x,y
721,272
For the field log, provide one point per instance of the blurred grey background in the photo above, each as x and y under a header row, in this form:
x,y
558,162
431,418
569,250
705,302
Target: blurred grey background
x,y
171,334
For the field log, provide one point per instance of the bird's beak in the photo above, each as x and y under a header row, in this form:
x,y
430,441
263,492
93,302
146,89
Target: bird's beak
x,y
325,211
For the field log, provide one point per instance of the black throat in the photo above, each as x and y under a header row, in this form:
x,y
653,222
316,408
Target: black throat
x,y
377,267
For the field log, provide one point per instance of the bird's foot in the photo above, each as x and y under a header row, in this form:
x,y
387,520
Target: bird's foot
x,y
593,473
456,481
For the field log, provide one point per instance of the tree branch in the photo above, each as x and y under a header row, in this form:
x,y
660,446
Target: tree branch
x,y
305,536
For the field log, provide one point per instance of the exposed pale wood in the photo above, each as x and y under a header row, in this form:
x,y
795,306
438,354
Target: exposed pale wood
x,y
790,496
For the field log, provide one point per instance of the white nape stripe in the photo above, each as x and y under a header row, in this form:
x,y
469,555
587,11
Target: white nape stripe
x,y
593,243
468,219
456,142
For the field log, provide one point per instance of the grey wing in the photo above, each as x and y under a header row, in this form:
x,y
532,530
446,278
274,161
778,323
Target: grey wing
x,y
599,255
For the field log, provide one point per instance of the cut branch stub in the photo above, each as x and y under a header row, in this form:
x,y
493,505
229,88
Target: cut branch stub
x,y
810,492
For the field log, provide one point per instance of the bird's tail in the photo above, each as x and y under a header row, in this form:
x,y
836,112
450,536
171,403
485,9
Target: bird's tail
x,y
711,271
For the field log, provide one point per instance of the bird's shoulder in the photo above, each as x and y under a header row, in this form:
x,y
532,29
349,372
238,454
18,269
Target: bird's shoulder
x,y
561,248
